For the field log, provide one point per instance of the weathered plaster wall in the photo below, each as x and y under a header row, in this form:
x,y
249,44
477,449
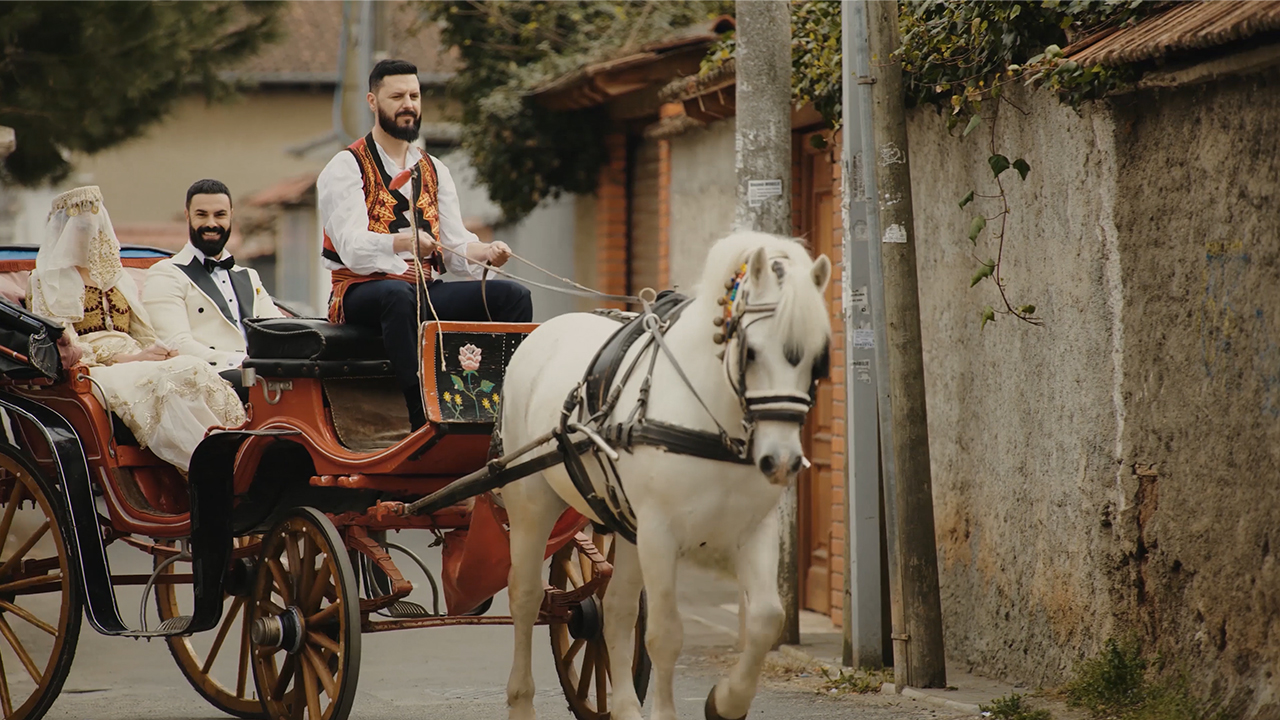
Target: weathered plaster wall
x,y
1115,470
1198,172
1023,421
703,195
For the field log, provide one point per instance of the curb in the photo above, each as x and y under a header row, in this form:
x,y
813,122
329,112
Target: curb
x,y
797,653
892,689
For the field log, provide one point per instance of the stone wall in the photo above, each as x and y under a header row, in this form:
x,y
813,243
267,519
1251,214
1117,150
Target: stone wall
x,y
1114,471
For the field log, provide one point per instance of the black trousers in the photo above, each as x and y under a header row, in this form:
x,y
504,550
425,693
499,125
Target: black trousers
x,y
390,307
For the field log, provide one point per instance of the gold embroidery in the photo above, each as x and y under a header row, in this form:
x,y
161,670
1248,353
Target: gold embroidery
x,y
378,199
104,259
104,311
428,202
79,200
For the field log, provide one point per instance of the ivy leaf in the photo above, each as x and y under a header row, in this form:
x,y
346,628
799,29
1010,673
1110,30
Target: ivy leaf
x,y
975,227
983,273
967,199
998,163
1022,167
1027,309
973,123
988,315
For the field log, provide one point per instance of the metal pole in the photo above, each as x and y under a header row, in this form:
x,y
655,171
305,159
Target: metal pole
x,y
895,300
863,636
764,201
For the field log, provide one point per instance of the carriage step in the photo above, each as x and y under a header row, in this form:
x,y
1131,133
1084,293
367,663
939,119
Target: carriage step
x,y
404,609
173,626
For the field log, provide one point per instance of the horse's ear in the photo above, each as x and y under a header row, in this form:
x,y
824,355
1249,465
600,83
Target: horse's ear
x,y
756,266
821,272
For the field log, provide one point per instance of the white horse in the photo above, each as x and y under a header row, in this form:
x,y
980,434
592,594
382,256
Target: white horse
x,y
678,501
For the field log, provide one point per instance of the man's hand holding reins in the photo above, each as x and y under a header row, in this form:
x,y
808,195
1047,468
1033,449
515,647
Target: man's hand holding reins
x,y
496,253
403,242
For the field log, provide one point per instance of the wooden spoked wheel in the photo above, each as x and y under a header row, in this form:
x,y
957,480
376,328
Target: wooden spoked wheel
x,y
216,664
582,659
304,615
40,602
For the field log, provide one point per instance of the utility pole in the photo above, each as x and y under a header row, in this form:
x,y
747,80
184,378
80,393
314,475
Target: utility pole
x,y
863,634
763,140
895,302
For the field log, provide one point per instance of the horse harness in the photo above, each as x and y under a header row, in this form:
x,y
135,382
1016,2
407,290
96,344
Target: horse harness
x,y
590,405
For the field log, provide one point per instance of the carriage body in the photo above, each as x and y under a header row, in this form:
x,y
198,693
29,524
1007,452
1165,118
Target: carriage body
x,y
325,454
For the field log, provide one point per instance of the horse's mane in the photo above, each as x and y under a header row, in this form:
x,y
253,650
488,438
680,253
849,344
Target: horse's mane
x,y
802,309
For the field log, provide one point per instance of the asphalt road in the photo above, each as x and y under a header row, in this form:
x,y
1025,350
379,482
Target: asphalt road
x,y
454,673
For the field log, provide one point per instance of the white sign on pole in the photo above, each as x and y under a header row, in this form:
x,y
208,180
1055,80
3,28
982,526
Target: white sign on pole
x,y
760,190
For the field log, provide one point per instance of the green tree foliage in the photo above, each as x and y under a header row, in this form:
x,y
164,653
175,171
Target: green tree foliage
x,y
83,76
815,56
522,152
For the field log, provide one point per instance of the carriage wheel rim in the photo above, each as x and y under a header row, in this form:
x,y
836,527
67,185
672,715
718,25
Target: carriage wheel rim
x,y
242,701
318,680
582,663
17,618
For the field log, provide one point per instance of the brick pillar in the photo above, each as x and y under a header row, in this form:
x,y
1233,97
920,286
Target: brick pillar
x,y
839,467
611,220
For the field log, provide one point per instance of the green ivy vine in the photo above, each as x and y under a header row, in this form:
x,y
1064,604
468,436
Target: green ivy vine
x,y
961,57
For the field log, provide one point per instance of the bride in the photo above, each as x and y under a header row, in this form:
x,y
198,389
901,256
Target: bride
x,y
167,400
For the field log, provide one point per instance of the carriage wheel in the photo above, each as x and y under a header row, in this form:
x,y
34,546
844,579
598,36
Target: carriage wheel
x,y
582,660
209,662
305,621
40,602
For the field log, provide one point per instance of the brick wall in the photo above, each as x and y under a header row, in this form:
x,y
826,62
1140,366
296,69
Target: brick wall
x,y
611,220
664,214
838,460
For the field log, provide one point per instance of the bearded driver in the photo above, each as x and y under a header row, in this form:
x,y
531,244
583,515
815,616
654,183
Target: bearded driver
x,y
364,198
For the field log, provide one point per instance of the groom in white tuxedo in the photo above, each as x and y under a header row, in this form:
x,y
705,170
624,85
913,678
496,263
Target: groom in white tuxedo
x,y
198,299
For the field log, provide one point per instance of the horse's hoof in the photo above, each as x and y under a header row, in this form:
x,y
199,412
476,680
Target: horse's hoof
x,y
710,709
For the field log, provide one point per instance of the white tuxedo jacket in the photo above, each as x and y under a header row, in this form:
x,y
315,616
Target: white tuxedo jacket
x,y
191,315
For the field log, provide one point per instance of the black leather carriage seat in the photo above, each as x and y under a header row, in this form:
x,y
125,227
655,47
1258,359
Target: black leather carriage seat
x,y
314,347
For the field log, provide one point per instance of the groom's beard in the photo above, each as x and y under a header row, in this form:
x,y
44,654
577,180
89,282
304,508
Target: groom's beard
x,y
391,125
210,248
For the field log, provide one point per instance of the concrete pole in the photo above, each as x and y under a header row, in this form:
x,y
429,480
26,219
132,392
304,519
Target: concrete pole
x,y
917,618
863,632
763,163
358,30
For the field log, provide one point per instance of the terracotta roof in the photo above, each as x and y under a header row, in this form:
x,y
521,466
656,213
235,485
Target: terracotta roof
x,y
600,81
307,51
691,86
1186,26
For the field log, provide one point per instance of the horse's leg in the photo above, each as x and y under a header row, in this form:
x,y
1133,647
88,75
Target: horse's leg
x,y
758,578
657,551
621,606
532,510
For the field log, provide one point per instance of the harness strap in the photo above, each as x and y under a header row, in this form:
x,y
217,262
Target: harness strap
x,y
582,482
678,440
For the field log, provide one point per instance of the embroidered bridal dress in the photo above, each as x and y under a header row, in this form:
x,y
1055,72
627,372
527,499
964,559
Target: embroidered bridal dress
x,y
168,404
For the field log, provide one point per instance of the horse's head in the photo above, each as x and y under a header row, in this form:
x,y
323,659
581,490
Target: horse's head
x,y
776,337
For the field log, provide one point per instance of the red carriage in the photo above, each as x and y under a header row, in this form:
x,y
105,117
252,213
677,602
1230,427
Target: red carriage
x,y
280,529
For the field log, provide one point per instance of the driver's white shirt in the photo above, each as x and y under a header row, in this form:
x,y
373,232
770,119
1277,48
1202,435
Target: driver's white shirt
x,y
345,217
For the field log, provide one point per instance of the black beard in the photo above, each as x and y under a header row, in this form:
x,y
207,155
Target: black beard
x,y
392,128
210,248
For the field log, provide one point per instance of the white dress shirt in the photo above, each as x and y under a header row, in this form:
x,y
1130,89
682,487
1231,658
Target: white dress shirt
x,y
340,196
222,278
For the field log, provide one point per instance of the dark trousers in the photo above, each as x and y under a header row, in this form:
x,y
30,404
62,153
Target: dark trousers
x,y
390,307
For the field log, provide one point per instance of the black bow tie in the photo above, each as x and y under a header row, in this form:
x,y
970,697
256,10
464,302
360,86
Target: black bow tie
x,y
226,263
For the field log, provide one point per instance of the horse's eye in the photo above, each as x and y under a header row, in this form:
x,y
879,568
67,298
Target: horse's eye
x,y
751,355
